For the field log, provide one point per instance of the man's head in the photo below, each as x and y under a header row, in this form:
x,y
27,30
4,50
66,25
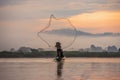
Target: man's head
x,y
58,43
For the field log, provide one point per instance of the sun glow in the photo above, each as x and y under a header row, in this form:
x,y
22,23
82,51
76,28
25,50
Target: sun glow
x,y
102,21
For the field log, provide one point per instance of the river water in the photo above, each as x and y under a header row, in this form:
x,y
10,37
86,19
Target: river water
x,y
70,69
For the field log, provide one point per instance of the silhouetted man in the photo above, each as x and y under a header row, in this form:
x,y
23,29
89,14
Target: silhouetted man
x,y
59,50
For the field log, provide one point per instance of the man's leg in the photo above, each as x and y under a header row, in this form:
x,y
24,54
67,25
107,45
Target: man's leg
x,y
62,54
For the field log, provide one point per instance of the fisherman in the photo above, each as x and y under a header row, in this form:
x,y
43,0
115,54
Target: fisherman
x,y
59,50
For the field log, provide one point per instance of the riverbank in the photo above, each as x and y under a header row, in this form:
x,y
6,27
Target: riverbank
x,y
47,54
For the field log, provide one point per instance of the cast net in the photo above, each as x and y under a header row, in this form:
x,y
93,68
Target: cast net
x,y
58,30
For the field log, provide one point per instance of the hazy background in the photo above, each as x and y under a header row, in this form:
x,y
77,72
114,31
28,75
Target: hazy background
x,y
20,20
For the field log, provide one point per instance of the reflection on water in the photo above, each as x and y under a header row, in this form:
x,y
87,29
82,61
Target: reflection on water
x,y
71,69
59,70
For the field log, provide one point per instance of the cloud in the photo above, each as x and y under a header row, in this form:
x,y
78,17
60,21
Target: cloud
x,y
79,11
95,5
71,32
35,9
4,3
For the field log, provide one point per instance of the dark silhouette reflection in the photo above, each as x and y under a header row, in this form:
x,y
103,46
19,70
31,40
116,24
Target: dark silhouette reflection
x,y
60,70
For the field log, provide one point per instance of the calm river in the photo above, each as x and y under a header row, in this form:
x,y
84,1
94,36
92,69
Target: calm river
x,y
70,69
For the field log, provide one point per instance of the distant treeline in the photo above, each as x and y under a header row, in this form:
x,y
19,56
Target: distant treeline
x,y
47,54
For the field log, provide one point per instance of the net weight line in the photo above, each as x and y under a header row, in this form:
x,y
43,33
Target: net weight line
x,y
49,23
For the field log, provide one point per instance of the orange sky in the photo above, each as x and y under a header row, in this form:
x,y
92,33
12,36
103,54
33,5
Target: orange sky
x,y
20,20
95,22
101,21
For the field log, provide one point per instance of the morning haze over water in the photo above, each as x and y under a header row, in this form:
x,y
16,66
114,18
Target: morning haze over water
x,y
70,69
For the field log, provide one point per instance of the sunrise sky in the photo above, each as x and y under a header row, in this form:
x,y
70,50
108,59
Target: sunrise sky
x,y
90,15
29,16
